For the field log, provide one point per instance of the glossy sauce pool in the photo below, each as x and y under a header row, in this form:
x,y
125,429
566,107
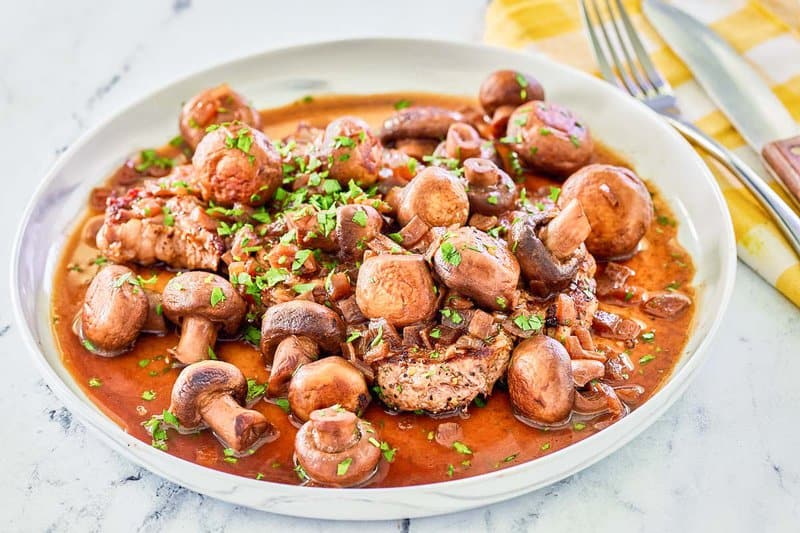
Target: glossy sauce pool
x,y
495,437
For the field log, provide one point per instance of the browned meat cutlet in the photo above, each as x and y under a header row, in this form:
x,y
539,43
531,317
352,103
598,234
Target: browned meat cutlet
x,y
147,230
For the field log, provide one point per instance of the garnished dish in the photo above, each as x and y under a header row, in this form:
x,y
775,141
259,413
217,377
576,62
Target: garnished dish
x,y
373,291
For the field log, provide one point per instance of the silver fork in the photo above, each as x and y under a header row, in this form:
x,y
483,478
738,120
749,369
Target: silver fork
x,y
635,73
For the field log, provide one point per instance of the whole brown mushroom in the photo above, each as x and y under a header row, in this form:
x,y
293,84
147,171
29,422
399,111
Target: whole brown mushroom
x,y
326,382
237,164
478,266
113,313
549,138
464,142
540,381
334,448
550,248
356,225
292,334
508,88
617,204
397,288
491,190
202,303
214,106
436,196
354,152
212,393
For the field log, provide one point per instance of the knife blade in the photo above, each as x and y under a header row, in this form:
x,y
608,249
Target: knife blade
x,y
736,88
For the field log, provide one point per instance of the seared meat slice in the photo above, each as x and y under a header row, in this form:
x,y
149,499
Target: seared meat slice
x,y
146,230
414,381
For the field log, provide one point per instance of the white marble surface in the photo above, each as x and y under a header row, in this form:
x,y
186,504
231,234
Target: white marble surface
x,y
723,458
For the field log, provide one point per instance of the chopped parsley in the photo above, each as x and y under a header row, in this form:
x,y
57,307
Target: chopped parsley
x,y
252,335
529,322
402,104
643,360
450,254
217,296
344,466
462,448
283,403
149,395
554,193
95,382
648,336
150,158
88,345
255,390
360,218
579,426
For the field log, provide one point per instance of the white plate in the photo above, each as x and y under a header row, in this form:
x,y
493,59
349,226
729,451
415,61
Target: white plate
x,y
372,66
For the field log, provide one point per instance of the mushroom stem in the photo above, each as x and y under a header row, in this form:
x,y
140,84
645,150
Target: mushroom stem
x,y
237,427
334,430
567,230
197,336
292,353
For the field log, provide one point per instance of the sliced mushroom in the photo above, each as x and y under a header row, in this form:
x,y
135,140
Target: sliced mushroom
x,y
398,288
326,382
334,448
478,266
549,138
464,142
292,334
419,123
215,106
114,311
436,196
617,204
666,304
540,380
491,190
508,88
354,152
236,163
202,303
212,393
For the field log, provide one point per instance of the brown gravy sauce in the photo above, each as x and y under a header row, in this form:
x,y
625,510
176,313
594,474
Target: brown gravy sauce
x,y
496,438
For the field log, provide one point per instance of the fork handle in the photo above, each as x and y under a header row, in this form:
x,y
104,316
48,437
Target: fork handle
x,y
784,216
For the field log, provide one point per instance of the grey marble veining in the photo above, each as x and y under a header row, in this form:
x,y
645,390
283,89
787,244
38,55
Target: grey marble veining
x,y
723,458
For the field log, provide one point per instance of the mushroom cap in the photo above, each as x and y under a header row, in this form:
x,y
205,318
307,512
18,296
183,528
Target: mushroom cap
x,y
355,151
302,318
508,88
333,448
478,266
437,197
200,381
205,295
214,106
491,189
353,231
326,382
423,122
551,138
397,288
617,204
114,310
237,163
540,381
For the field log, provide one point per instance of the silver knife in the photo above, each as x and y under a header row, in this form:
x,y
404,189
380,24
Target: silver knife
x,y
736,88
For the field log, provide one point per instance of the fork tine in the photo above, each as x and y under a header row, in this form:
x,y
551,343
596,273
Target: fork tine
x,y
599,54
630,85
633,67
654,76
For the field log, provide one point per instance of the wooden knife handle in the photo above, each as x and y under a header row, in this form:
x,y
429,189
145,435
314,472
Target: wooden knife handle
x,y
783,158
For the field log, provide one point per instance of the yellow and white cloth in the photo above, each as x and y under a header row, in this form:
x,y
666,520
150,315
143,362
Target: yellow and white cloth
x,y
553,27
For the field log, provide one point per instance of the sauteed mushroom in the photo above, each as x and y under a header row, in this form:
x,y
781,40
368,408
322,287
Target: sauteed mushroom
x,y
356,225
202,304
436,196
419,123
326,382
236,163
334,448
463,142
617,204
213,392
491,190
540,380
114,311
478,266
548,137
354,151
398,288
215,106
292,334
508,88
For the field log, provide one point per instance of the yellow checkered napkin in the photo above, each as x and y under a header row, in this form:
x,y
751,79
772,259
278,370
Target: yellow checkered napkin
x,y
553,27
